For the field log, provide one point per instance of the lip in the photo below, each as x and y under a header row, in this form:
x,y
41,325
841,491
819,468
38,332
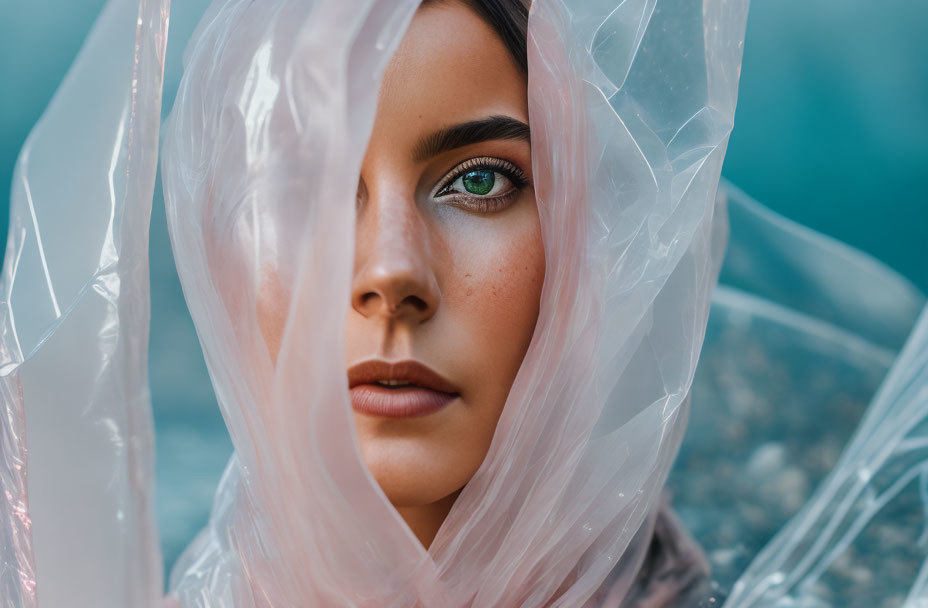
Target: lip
x,y
428,391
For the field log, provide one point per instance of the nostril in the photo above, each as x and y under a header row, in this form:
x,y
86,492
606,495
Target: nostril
x,y
412,301
365,298
407,290
416,302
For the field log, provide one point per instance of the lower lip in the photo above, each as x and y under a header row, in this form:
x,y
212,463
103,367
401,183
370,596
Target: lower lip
x,y
403,402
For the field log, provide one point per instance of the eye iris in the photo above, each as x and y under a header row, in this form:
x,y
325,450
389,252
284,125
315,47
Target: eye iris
x,y
480,181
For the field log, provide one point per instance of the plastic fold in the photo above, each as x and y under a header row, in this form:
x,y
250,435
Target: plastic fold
x,y
631,106
77,444
275,106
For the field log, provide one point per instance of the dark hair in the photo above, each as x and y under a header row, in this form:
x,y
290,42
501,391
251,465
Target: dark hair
x,y
508,18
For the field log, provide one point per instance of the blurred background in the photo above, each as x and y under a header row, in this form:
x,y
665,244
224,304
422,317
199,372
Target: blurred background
x,y
831,131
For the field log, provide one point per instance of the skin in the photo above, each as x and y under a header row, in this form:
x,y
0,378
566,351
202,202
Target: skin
x,y
444,280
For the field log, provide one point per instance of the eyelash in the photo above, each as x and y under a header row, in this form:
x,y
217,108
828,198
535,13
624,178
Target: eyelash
x,y
475,202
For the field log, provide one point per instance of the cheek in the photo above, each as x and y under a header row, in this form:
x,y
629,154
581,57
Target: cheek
x,y
503,292
495,292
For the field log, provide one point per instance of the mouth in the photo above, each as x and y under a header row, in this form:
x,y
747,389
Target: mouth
x,y
402,389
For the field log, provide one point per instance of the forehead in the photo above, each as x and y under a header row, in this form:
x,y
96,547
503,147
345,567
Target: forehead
x,y
450,67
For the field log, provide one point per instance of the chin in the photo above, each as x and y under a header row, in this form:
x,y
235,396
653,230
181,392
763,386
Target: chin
x,y
411,472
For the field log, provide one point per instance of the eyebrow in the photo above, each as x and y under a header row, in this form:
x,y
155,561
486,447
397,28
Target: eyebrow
x,y
467,133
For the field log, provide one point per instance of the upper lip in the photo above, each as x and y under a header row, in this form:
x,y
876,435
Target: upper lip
x,y
369,372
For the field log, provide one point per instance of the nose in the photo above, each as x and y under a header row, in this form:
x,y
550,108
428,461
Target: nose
x,y
394,277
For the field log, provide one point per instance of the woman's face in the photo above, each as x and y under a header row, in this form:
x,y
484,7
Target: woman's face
x,y
448,263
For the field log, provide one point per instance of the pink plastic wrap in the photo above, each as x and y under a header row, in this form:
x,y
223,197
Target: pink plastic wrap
x,y
79,528
631,105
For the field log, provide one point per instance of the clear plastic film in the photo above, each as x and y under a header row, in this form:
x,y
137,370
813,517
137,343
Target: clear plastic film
x,y
631,105
794,267
860,538
784,379
78,526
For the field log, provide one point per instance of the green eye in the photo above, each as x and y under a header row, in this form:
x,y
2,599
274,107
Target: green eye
x,y
479,182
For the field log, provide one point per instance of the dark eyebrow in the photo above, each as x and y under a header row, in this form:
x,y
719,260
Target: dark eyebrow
x,y
467,133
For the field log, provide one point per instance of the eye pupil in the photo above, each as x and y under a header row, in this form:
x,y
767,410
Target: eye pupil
x,y
480,181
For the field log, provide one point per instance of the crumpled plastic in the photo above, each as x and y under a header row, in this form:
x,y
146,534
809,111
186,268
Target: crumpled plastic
x,y
631,107
76,471
634,255
860,539
802,332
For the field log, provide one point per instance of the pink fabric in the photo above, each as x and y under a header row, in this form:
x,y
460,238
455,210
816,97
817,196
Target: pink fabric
x,y
629,131
631,106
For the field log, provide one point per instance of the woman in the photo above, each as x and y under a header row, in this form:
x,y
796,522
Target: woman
x,y
532,241
455,220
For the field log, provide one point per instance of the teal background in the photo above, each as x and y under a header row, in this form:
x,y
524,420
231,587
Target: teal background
x,y
831,131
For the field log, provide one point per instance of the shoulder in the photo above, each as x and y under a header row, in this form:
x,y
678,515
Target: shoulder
x,y
675,571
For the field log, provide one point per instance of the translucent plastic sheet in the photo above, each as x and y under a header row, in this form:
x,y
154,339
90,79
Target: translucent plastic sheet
x,y
77,507
631,106
631,109
796,268
860,539
783,381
